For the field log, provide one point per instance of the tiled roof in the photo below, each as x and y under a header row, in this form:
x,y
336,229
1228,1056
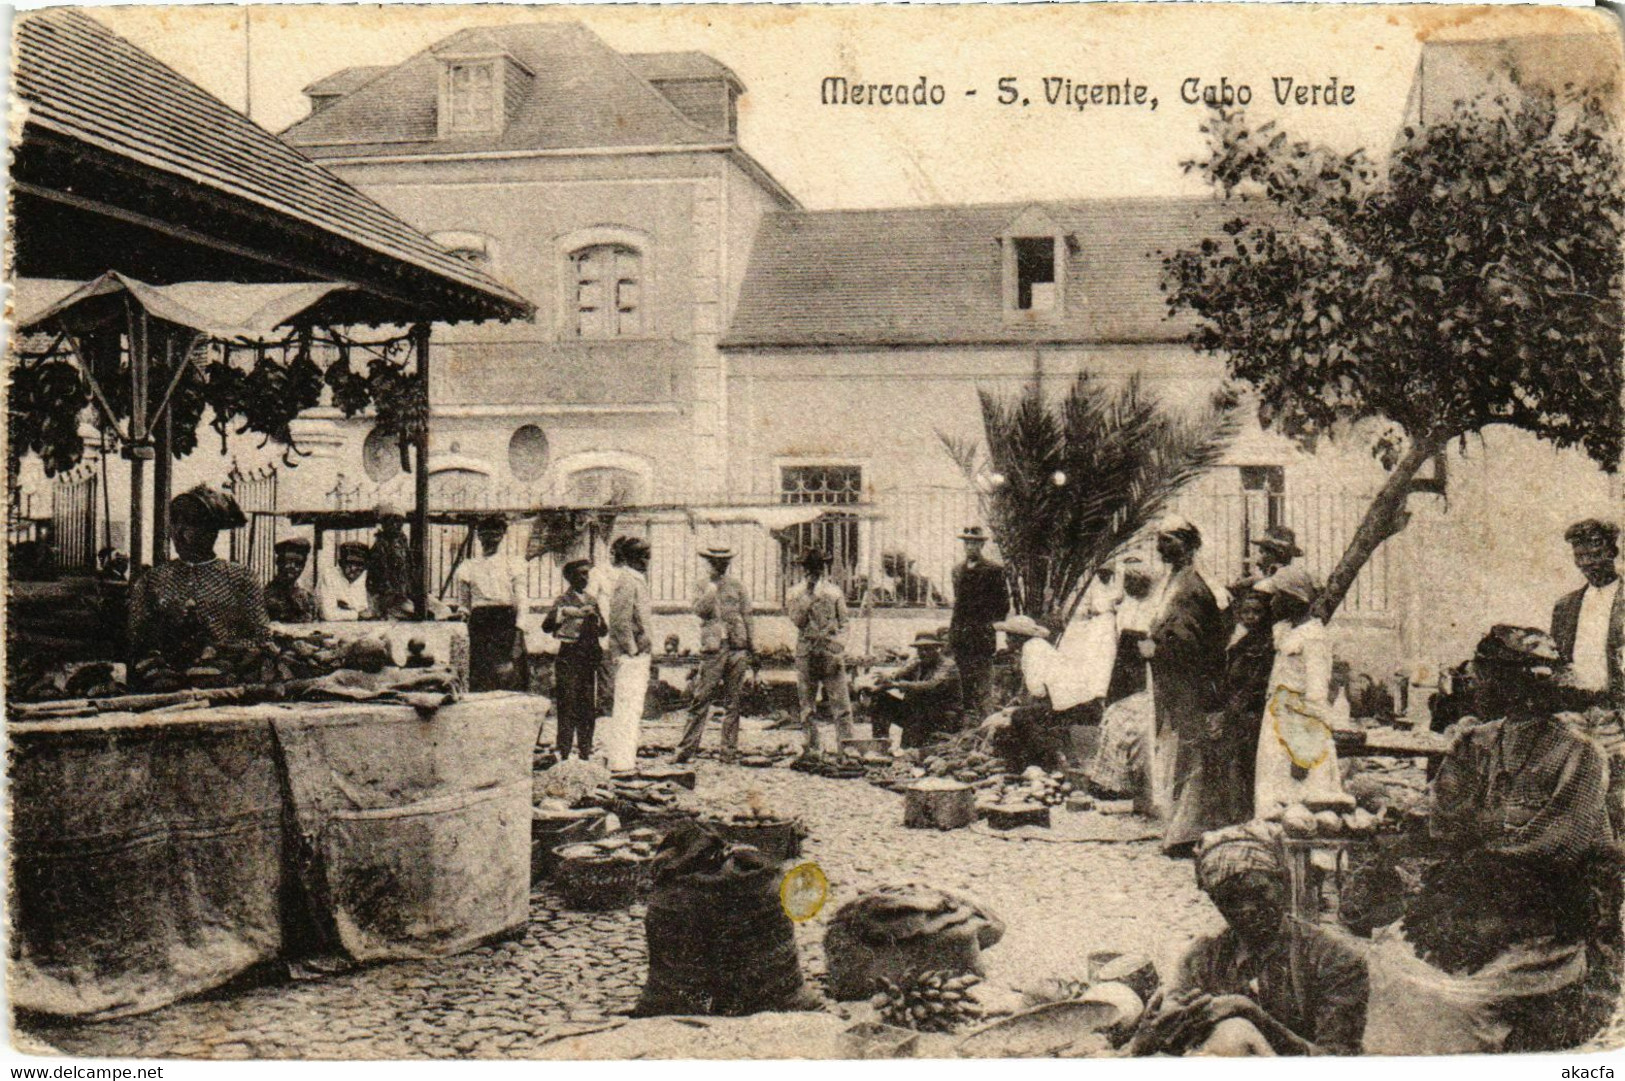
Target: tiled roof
x,y
934,275
657,67
583,94
82,81
345,79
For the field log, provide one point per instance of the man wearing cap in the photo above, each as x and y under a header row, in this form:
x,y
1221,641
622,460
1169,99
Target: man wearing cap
x,y
981,599
490,587
286,601
727,649
818,609
1276,549
922,698
575,620
1589,624
343,595
389,565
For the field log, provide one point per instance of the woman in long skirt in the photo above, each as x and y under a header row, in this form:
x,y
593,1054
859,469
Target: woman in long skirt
x,y
1296,758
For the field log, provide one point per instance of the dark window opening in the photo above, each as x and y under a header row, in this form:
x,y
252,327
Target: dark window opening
x,y
1035,273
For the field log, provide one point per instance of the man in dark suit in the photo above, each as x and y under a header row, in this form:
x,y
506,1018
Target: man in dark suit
x,y
1589,624
981,599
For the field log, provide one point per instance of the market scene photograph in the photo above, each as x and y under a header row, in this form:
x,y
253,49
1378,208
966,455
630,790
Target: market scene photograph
x,y
534,535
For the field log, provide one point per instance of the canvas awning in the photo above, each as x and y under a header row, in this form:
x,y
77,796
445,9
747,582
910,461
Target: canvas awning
x,y
225,311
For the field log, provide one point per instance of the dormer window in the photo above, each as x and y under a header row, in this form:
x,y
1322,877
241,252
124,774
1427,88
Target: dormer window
x,y
1035,274
1034,250
471,97
482,87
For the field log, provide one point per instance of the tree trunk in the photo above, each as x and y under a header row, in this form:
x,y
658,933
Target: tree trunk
x,y
1381,521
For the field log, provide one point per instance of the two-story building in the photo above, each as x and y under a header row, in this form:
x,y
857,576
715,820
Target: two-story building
x,y
611,189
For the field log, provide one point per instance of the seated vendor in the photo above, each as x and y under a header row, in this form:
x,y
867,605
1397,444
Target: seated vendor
x,y
1031,732
1265,985
286,601
197,600
921,698
344,596
1525,848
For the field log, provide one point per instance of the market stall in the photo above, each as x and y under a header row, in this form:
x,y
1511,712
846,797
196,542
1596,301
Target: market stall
x,y
158,855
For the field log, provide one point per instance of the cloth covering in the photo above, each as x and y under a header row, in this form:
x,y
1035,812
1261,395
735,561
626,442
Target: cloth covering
x,y
1525,788
147,855
1415,1009
418,829
152,859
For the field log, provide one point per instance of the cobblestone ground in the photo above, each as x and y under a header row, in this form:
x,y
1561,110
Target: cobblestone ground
x,y
1060,903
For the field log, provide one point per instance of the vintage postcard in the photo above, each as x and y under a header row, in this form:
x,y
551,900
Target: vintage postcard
x,y
866,532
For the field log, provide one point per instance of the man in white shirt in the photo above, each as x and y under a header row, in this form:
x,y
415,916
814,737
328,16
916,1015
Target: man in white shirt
x,y
629,622
1589,624
490,587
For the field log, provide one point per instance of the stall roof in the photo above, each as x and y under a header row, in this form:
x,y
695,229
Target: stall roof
x,y
223,310
123,160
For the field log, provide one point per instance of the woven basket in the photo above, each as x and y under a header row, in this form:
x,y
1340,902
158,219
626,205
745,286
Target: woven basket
x,y
600,883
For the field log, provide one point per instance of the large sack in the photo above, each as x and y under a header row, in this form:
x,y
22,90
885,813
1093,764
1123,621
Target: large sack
x,y
1416,1009
719,940
896,931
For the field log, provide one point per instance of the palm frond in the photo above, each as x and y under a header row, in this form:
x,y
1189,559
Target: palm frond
x,y
1081,477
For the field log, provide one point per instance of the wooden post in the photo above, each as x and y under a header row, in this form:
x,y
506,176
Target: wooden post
x,y
163,466
140,446
420,508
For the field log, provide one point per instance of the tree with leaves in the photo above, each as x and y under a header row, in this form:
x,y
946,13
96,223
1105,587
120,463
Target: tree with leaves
x,y
1474,280
1066,482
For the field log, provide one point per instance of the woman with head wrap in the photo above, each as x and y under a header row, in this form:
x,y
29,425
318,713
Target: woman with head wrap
x,y
1265,985
197,600
1526,852
1185,648
1296,759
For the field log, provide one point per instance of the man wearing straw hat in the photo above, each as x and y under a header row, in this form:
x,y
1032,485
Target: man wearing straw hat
x,y
1277,548
981,599
818,609
727,647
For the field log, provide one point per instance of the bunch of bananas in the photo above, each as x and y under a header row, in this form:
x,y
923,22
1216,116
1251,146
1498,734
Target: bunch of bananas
x,y
929,1002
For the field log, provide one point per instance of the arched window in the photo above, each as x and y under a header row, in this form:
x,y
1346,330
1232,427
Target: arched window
x,y
603,486
608,282
473,248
